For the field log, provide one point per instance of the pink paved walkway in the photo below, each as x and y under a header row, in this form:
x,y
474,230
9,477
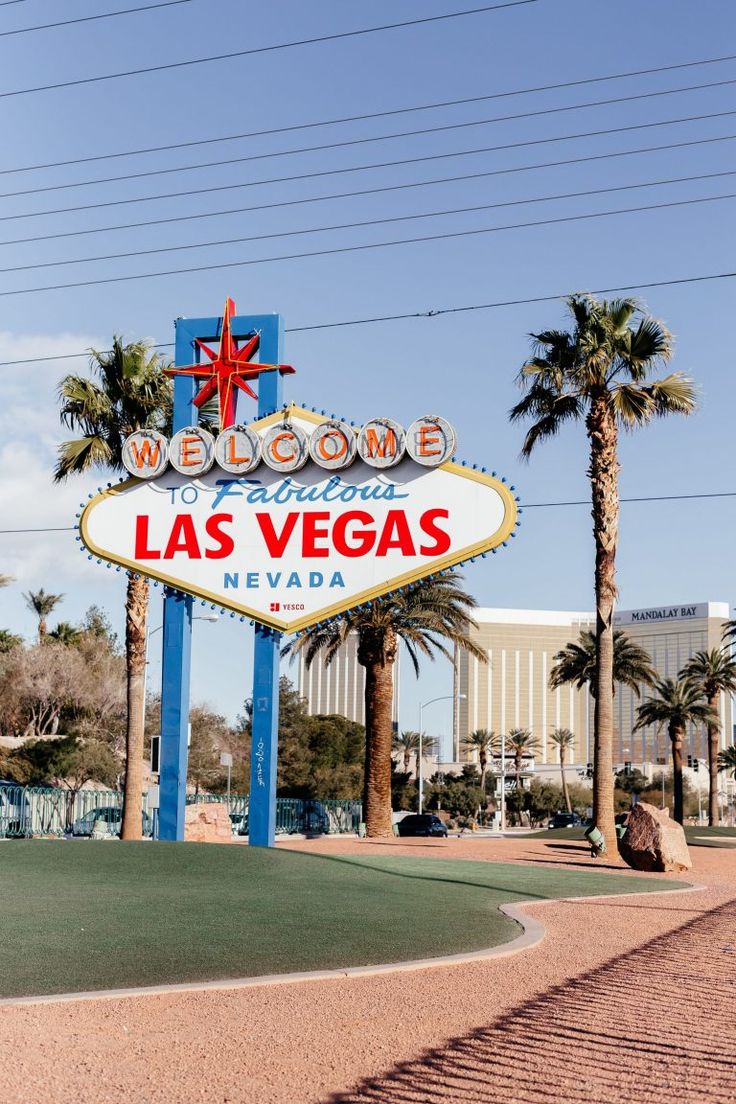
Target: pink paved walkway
x,y
627,999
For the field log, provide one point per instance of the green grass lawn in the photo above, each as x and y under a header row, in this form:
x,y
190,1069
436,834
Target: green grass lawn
x,y
95,915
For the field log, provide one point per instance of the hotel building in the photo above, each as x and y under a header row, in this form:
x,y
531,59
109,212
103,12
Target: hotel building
x,y
512,689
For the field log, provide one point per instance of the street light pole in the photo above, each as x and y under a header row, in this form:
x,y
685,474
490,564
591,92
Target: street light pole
x,y
149,634
420,772
503,781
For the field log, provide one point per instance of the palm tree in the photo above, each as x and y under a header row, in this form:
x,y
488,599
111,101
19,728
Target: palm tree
x,y
727,760
132,393
435,608
678,703
713,673
484,743
521,742
42,604
9,640
598,373
66,633
564,740
407,744
575,663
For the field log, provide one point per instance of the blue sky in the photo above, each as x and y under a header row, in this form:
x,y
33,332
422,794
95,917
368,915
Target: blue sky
x,y
462,364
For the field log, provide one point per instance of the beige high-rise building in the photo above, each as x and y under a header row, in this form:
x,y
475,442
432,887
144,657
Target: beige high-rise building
x,y
512,689
340,688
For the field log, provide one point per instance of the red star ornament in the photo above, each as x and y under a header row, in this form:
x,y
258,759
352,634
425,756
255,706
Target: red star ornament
x,y
227,369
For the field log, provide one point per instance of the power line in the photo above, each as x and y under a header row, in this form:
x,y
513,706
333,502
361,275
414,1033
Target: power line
x,y
433,313
379,165
522,506
360,248
264,49
367,116
92,18
365,222
442,128
366,191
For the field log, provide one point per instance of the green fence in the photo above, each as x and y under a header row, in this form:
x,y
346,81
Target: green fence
x,y
27,811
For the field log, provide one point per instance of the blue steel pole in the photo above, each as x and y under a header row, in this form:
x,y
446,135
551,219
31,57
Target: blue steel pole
x,y
177,642
267,644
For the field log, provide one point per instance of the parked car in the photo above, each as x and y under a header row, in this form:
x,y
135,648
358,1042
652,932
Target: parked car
x,y
565,820
239,822
15,810
315,817
112,816
422,824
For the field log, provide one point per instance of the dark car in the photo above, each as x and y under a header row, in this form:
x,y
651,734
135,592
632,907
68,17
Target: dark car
x,y
565,820
315,817
422,824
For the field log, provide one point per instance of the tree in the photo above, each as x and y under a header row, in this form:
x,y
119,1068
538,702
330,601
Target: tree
x,y
132,394
484,743
9,640
209,733
727,760
564,739
432,609
598,373
42,604
575,663
677,704
66,633
521,742
713,673
407,744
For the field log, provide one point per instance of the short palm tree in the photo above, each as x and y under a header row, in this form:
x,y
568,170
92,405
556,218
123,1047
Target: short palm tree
x,y
407,744
42,604
520,742
727,760
422,616
678,703
713,673
132,393
575,663
598,373
564,740
484,743
66,633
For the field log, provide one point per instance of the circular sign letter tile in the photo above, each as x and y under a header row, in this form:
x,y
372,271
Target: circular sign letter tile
x,y
145,453
238,449
285,447
430,441
192,451
381,443
333,445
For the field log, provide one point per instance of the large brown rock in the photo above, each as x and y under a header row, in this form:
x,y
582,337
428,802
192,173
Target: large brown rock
x,y
207,822
653,841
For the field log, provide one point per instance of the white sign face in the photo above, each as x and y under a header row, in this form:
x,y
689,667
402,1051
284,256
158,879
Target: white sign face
x,y
290,549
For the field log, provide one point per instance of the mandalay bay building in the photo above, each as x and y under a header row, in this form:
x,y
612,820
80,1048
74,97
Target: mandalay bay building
x,y
512,689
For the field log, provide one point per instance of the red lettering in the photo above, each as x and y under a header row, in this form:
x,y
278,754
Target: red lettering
x,y
276,543
439,536
311,534
142,551
225,542
396,534
183,538
359,541
147,454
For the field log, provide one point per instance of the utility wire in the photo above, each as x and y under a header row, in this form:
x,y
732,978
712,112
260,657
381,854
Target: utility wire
x,y
91,18
434,313
367,191
522,506
364,117
376,165
361,248
445,127
264,49
366,222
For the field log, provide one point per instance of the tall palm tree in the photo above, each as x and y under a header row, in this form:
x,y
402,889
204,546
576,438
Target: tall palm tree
x,y
678,703
420,616
727,760
42,604
484,743
521,742
407,744
130,393
564,739
598,373
575,663
713,673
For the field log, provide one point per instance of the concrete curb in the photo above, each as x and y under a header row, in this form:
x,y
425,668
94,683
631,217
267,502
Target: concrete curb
x,y
533,931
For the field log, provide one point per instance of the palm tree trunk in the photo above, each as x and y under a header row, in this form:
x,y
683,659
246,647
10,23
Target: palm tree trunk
x,y
676,735
407,761
379,691
713,817
43,631
565,791
136,614
603,473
